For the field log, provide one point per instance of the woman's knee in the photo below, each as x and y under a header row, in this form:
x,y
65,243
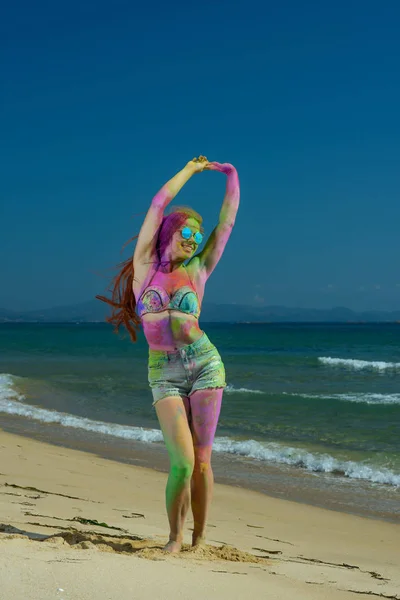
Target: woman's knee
x,y
203,459
182,469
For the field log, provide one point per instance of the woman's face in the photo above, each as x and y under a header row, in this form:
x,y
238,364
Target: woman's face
x,y
182,248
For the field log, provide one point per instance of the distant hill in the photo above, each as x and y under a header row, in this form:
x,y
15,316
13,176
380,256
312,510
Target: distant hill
x,y
90,311
95,311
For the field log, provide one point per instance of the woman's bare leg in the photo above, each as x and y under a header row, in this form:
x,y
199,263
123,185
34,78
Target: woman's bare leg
x,y
174,424
205,406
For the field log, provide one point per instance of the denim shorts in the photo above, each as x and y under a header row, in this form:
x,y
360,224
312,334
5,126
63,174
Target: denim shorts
x,y
181,372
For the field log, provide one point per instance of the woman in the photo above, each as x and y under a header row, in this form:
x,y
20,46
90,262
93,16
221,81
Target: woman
x,y
185,371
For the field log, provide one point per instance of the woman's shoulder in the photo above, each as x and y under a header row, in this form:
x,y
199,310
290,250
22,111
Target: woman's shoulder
x,y
193,265
195,271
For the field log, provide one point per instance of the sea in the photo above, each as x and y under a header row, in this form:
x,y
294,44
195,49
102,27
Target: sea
x,y
311,412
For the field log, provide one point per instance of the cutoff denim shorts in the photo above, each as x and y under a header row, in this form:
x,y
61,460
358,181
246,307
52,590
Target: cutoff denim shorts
x,y
181,372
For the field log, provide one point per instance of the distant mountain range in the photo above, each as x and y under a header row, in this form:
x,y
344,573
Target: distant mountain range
x,y
95,311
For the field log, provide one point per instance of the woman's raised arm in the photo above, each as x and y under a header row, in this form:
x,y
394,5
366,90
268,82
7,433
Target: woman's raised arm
x,y
209,257
146,242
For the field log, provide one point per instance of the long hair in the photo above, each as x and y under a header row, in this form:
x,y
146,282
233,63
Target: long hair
x,y
123,301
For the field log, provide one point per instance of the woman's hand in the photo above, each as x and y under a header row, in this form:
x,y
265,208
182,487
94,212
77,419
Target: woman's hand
x,y
198,164
226,168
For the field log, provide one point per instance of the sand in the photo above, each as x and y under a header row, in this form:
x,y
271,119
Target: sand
x,y
74,526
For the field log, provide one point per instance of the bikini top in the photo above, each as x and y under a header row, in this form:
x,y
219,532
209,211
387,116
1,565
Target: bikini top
x,y
155,299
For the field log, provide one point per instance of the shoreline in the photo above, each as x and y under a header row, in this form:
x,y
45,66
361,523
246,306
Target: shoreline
x,y
274,481
94,527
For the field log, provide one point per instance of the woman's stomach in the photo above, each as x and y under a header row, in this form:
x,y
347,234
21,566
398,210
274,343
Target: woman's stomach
x,y
170,329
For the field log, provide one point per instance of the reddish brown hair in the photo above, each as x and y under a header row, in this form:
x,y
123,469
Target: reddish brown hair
x,y
123,301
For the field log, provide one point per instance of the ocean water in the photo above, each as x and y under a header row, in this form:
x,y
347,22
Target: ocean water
x,y
317,403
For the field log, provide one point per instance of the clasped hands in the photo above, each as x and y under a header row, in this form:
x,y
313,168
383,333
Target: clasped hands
x,y
203,164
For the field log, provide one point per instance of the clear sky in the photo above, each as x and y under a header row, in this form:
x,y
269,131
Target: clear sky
x,y
101,103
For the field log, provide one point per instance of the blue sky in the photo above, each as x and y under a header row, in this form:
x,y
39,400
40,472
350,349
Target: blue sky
x,y
102,103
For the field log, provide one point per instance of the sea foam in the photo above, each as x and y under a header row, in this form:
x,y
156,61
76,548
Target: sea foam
x,y
360,397
12,402
231,389
352,363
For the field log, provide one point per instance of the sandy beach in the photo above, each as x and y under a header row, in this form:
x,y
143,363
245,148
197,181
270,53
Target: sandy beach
x,y
74,526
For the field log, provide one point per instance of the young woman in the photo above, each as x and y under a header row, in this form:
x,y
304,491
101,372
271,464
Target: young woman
x,y
185,371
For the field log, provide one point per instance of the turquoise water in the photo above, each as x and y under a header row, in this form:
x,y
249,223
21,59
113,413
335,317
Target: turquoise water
x,y
321,398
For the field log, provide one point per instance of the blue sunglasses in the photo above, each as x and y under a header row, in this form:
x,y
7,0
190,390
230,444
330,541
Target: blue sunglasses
x,y
187,234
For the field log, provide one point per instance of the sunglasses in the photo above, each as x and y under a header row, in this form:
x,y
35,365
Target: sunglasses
x,y
187,234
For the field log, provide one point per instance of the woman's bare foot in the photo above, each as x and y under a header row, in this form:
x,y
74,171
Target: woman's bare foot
x,y
173,547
